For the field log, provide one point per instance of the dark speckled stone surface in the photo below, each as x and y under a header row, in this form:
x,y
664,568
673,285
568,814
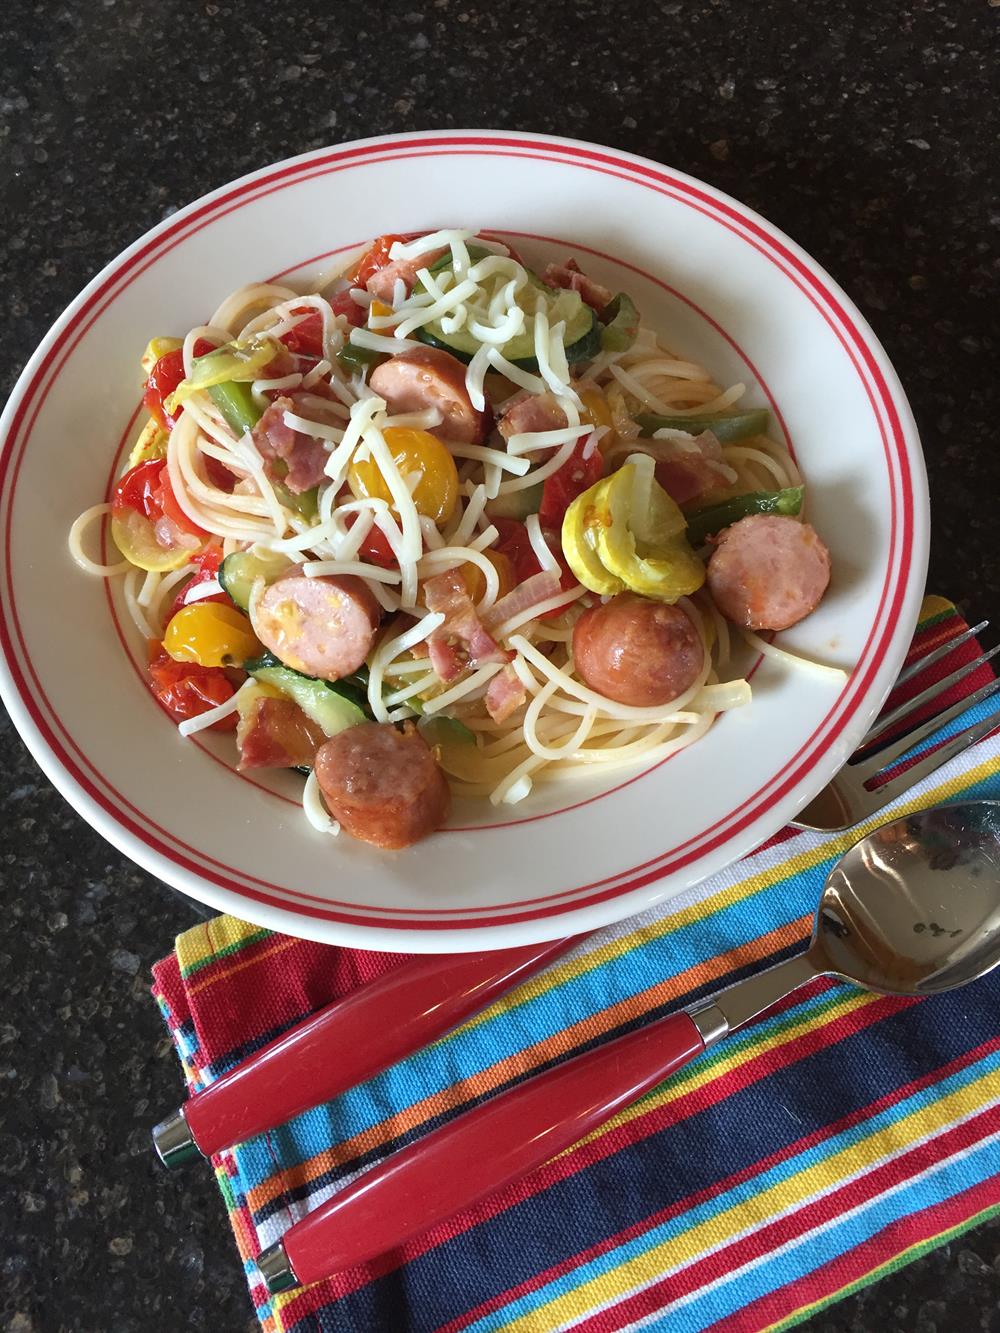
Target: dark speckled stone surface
x,y
867,131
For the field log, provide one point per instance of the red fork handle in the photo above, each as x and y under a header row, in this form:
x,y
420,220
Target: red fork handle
x,y
353,1039
478,1152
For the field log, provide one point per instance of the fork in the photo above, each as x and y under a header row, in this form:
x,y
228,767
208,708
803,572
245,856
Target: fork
x,y
422,999
850,796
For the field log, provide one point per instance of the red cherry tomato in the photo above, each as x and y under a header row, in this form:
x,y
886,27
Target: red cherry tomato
x,y
146,489
344,304
169,508
306,339
136,489
186,690
164,379
374,258
218,474
207,563
375,547
515,544
575,476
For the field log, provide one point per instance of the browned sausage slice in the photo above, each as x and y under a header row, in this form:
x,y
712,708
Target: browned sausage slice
x,y
636,651
383,785
768,571
428,377
322,627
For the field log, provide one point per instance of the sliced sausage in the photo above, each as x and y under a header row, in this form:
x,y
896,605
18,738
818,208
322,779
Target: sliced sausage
x,y
322,627
768,571
428,377
383,785
637,651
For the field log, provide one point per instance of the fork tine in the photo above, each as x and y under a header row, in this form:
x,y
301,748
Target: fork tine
x,y
867,768
887,720
928,660
958,743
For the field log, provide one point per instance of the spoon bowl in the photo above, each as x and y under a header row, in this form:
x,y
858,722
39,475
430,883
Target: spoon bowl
x,y
914,907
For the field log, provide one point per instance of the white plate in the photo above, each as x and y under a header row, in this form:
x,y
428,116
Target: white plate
x,y
724,285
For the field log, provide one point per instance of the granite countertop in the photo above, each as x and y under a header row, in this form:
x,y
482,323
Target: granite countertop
x,y
867,132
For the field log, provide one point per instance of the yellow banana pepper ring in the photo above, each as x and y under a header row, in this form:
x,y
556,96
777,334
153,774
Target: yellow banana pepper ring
x,y
626,532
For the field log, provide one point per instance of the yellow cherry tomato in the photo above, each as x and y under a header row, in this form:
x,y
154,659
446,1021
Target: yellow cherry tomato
x,y
413,451
212,635
475,580
596,409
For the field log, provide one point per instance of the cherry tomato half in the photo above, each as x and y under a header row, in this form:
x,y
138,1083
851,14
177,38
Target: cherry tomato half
x,y
306,338
142,499
136,488
515,544
344,304
164,378
211,636
413,451
375,547
146,489
207,563
374,258
186,690
575,476
475,580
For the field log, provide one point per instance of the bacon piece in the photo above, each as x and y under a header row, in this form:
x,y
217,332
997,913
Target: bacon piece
x,y
304,455
537,412
693,475
505,694
461,641
382,283
572,276
275,733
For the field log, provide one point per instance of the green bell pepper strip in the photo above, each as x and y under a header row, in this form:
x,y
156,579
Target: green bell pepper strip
x,y
725,426
305,503
235,401
620,324
354,359
705,522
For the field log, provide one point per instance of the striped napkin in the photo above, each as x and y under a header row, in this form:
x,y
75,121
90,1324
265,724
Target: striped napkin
x,y
831,1142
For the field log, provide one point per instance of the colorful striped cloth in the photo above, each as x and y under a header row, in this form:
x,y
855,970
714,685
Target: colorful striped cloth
x,y
833,1141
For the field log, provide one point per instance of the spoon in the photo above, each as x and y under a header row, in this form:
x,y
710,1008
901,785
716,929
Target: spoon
x,y
911,909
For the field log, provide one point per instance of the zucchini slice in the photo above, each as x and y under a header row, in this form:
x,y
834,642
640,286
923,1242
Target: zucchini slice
x,y
582,338
240,571
323,702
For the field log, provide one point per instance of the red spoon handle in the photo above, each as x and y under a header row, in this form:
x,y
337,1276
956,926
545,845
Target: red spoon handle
x,y
355,1038
485,1149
